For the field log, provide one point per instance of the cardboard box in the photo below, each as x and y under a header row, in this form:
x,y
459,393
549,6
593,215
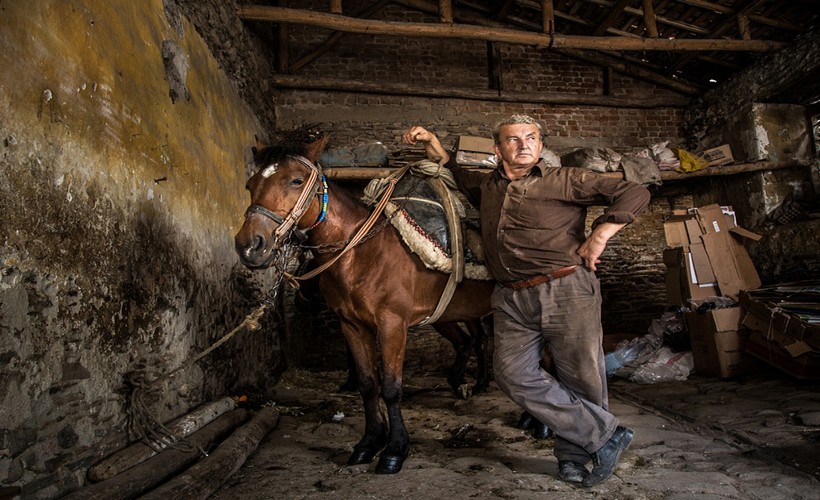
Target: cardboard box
x,y
718,156
475,151
683,281
718,344
778,325
713,241
804,366
781,339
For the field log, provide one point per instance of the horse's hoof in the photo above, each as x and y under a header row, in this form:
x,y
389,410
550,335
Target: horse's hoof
x,y
361,457
389,464
541,431
464,391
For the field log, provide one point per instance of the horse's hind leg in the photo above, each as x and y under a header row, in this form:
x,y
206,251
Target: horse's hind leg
x,y
362,346
479,337
461,343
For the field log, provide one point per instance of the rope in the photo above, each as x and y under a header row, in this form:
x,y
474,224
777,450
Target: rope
x,y
141,423
424,167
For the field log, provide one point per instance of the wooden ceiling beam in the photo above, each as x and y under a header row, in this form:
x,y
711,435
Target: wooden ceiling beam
x,y
403,89
649,19
615,11
371,27
619,64
445,11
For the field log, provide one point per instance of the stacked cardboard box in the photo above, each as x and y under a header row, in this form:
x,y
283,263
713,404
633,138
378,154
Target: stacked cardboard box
x,y
706,258
475,151
785,328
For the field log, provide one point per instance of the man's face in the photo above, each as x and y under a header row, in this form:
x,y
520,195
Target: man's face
x,y
519,145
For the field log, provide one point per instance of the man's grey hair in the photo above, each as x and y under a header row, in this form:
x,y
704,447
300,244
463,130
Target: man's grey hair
x,y
516,120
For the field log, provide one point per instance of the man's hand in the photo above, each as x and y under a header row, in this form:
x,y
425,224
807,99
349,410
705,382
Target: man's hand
x,y
591,249
435,151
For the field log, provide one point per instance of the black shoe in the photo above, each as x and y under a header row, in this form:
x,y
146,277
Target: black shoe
x,y
525,422
541,431
606,458
571,472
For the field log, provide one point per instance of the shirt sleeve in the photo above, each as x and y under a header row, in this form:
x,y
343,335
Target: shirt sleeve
x,y
469,180
624,200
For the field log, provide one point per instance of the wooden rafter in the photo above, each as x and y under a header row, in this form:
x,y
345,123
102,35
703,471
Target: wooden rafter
x,y
621,65
445,11
612,17
403,89
649,19
354,25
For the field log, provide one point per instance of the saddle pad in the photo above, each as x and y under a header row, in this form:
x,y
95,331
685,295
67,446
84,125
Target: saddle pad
x,y
416,211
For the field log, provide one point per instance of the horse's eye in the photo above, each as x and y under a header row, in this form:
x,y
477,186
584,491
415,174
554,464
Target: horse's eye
x,y
297,182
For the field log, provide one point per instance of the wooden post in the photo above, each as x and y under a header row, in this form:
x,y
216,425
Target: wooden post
x,y
494,67
547,16
743,27
649,19
335,6
445,11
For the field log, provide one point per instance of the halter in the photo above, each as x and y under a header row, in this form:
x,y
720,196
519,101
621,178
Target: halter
x,y
316,184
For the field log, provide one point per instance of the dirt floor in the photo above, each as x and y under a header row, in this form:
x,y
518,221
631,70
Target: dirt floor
x,y
702,438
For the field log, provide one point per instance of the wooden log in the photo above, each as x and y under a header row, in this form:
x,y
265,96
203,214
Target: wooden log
x,y
138,452
164,465
400,88
618,65
471,32
203,478
649,19
445,11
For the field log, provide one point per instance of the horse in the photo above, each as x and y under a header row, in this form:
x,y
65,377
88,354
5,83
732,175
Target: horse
x,y
376,286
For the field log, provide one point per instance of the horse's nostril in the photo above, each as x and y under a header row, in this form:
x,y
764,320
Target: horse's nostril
x,y
258,243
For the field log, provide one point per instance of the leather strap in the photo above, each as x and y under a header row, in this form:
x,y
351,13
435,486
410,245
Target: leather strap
x,y
537,280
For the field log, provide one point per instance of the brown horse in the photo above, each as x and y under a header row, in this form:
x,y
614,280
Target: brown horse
x,y
376,286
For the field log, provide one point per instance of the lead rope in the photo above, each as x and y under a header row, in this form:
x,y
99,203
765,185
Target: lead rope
x,y
141,423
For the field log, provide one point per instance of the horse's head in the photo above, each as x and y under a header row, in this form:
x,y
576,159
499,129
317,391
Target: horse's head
x,y
283,200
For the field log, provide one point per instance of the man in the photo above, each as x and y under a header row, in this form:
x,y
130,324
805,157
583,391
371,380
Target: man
x,y
548,297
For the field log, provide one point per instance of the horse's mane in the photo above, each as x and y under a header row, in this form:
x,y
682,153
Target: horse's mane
x,y
276,152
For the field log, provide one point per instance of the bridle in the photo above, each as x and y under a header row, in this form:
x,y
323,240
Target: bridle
x,y
287,223
316,184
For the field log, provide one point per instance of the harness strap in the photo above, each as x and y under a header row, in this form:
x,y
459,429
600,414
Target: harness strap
x,y
456,245
368,224
259,209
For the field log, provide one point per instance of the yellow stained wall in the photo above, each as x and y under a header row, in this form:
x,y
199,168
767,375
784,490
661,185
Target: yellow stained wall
x,y
119,208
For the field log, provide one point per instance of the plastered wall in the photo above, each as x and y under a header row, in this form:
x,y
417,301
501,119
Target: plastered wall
x,y
122,171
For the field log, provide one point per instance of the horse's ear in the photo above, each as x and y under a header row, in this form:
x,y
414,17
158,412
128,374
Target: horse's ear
x,y
260,145
314,149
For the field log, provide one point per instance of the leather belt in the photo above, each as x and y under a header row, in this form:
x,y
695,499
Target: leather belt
x,y
537,280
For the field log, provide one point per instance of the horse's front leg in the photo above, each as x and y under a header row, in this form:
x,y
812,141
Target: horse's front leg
x,y
362,345
393,343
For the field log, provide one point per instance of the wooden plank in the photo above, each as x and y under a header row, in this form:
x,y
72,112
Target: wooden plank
x,y
458,31
364,173
614,12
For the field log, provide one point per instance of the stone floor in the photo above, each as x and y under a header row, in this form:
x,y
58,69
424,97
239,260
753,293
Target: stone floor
x,y
751,438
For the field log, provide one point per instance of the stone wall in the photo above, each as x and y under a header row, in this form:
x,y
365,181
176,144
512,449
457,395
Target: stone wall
x,y
124,152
